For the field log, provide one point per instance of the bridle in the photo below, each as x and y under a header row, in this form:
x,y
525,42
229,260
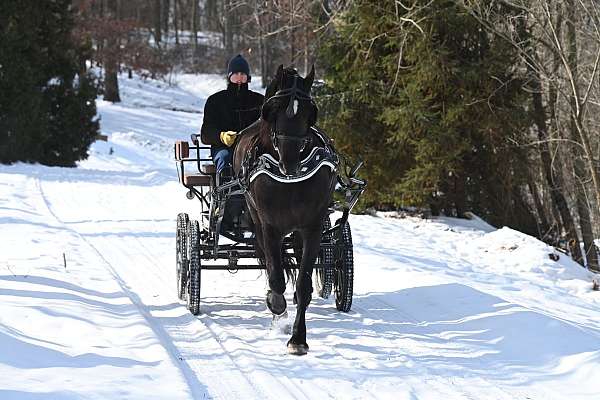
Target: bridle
x,y
295,94
275,138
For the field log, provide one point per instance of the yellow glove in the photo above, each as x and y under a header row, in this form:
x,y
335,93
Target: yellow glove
x,y
228,138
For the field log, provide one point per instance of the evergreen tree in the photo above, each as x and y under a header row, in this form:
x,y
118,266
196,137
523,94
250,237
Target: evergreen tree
x,y
432,103
47,103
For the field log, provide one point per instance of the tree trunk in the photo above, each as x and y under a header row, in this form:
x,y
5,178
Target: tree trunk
x,y
228,33
544,232
261,41
182,21
570,228
292,38
111,62
211,15
165,16
460,195
111,65
156,9
554,181
267,71
195,25
306,42
576,134
175,23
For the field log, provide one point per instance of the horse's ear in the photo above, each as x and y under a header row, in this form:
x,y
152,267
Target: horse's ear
x,y
272,88
270,92
308,81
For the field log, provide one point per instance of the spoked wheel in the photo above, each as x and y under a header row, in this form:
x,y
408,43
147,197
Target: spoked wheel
x,y
181,254
344,268
324,275
194,269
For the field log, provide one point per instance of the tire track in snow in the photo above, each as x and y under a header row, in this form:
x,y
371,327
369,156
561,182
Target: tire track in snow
x,y
278,377
189,370
292,387
275,384
232,382
256,388
262,386
218,331
297,387
262,389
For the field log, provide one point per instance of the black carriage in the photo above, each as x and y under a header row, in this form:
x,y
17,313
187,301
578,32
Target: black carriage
x,y
223,213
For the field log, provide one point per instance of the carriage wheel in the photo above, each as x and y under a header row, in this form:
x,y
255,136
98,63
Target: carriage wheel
x,y
324,275
195,267
181,254
344,268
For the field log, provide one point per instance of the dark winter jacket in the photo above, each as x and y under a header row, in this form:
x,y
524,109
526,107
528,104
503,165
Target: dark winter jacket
x,y
232,109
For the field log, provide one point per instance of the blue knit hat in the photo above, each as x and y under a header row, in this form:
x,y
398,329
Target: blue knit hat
x,y
238,64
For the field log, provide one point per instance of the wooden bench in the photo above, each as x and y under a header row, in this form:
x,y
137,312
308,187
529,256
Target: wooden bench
x,y
196,180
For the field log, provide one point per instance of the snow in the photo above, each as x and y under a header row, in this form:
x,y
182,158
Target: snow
x,y
443,308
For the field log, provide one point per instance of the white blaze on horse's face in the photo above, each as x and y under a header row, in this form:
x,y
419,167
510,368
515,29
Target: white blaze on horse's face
x,y
295,106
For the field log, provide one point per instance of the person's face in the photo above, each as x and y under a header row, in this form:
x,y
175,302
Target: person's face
x,y
238,78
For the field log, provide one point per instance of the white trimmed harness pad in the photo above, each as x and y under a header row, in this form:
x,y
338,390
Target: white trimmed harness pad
x,y
318,157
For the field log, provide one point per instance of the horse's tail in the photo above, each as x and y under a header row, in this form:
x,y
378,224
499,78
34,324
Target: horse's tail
x,y
289,263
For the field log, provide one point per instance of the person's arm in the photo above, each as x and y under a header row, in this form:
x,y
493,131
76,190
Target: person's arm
x,y
209,133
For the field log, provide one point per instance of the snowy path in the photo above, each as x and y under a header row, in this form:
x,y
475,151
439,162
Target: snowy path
x,y
223,330
442,308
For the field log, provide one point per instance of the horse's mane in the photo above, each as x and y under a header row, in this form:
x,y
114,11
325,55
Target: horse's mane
x,y
261,139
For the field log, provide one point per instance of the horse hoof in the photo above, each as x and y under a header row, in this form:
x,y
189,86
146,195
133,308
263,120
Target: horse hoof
x,y
276,303
297,349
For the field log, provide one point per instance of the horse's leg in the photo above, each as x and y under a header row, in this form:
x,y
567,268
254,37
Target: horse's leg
x,y
272,241
275,299
260,253
311,240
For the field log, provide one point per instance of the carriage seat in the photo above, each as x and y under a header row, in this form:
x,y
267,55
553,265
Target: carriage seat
x,y
208,168
196,180
203,179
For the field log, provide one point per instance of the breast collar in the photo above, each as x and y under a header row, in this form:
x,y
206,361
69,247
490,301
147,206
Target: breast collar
x,y
320,156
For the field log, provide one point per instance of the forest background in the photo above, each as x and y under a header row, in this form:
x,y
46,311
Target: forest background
x,y
488,106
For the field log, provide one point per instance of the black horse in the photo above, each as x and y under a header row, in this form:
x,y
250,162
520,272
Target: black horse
x,y
279,207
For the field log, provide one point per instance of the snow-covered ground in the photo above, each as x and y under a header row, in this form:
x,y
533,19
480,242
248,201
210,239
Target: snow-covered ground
x,y
443,308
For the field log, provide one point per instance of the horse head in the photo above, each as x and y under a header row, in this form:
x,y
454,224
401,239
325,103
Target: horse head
x,y
290,112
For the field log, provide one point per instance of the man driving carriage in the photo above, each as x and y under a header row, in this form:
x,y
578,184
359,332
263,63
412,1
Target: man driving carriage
x,y
229,111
